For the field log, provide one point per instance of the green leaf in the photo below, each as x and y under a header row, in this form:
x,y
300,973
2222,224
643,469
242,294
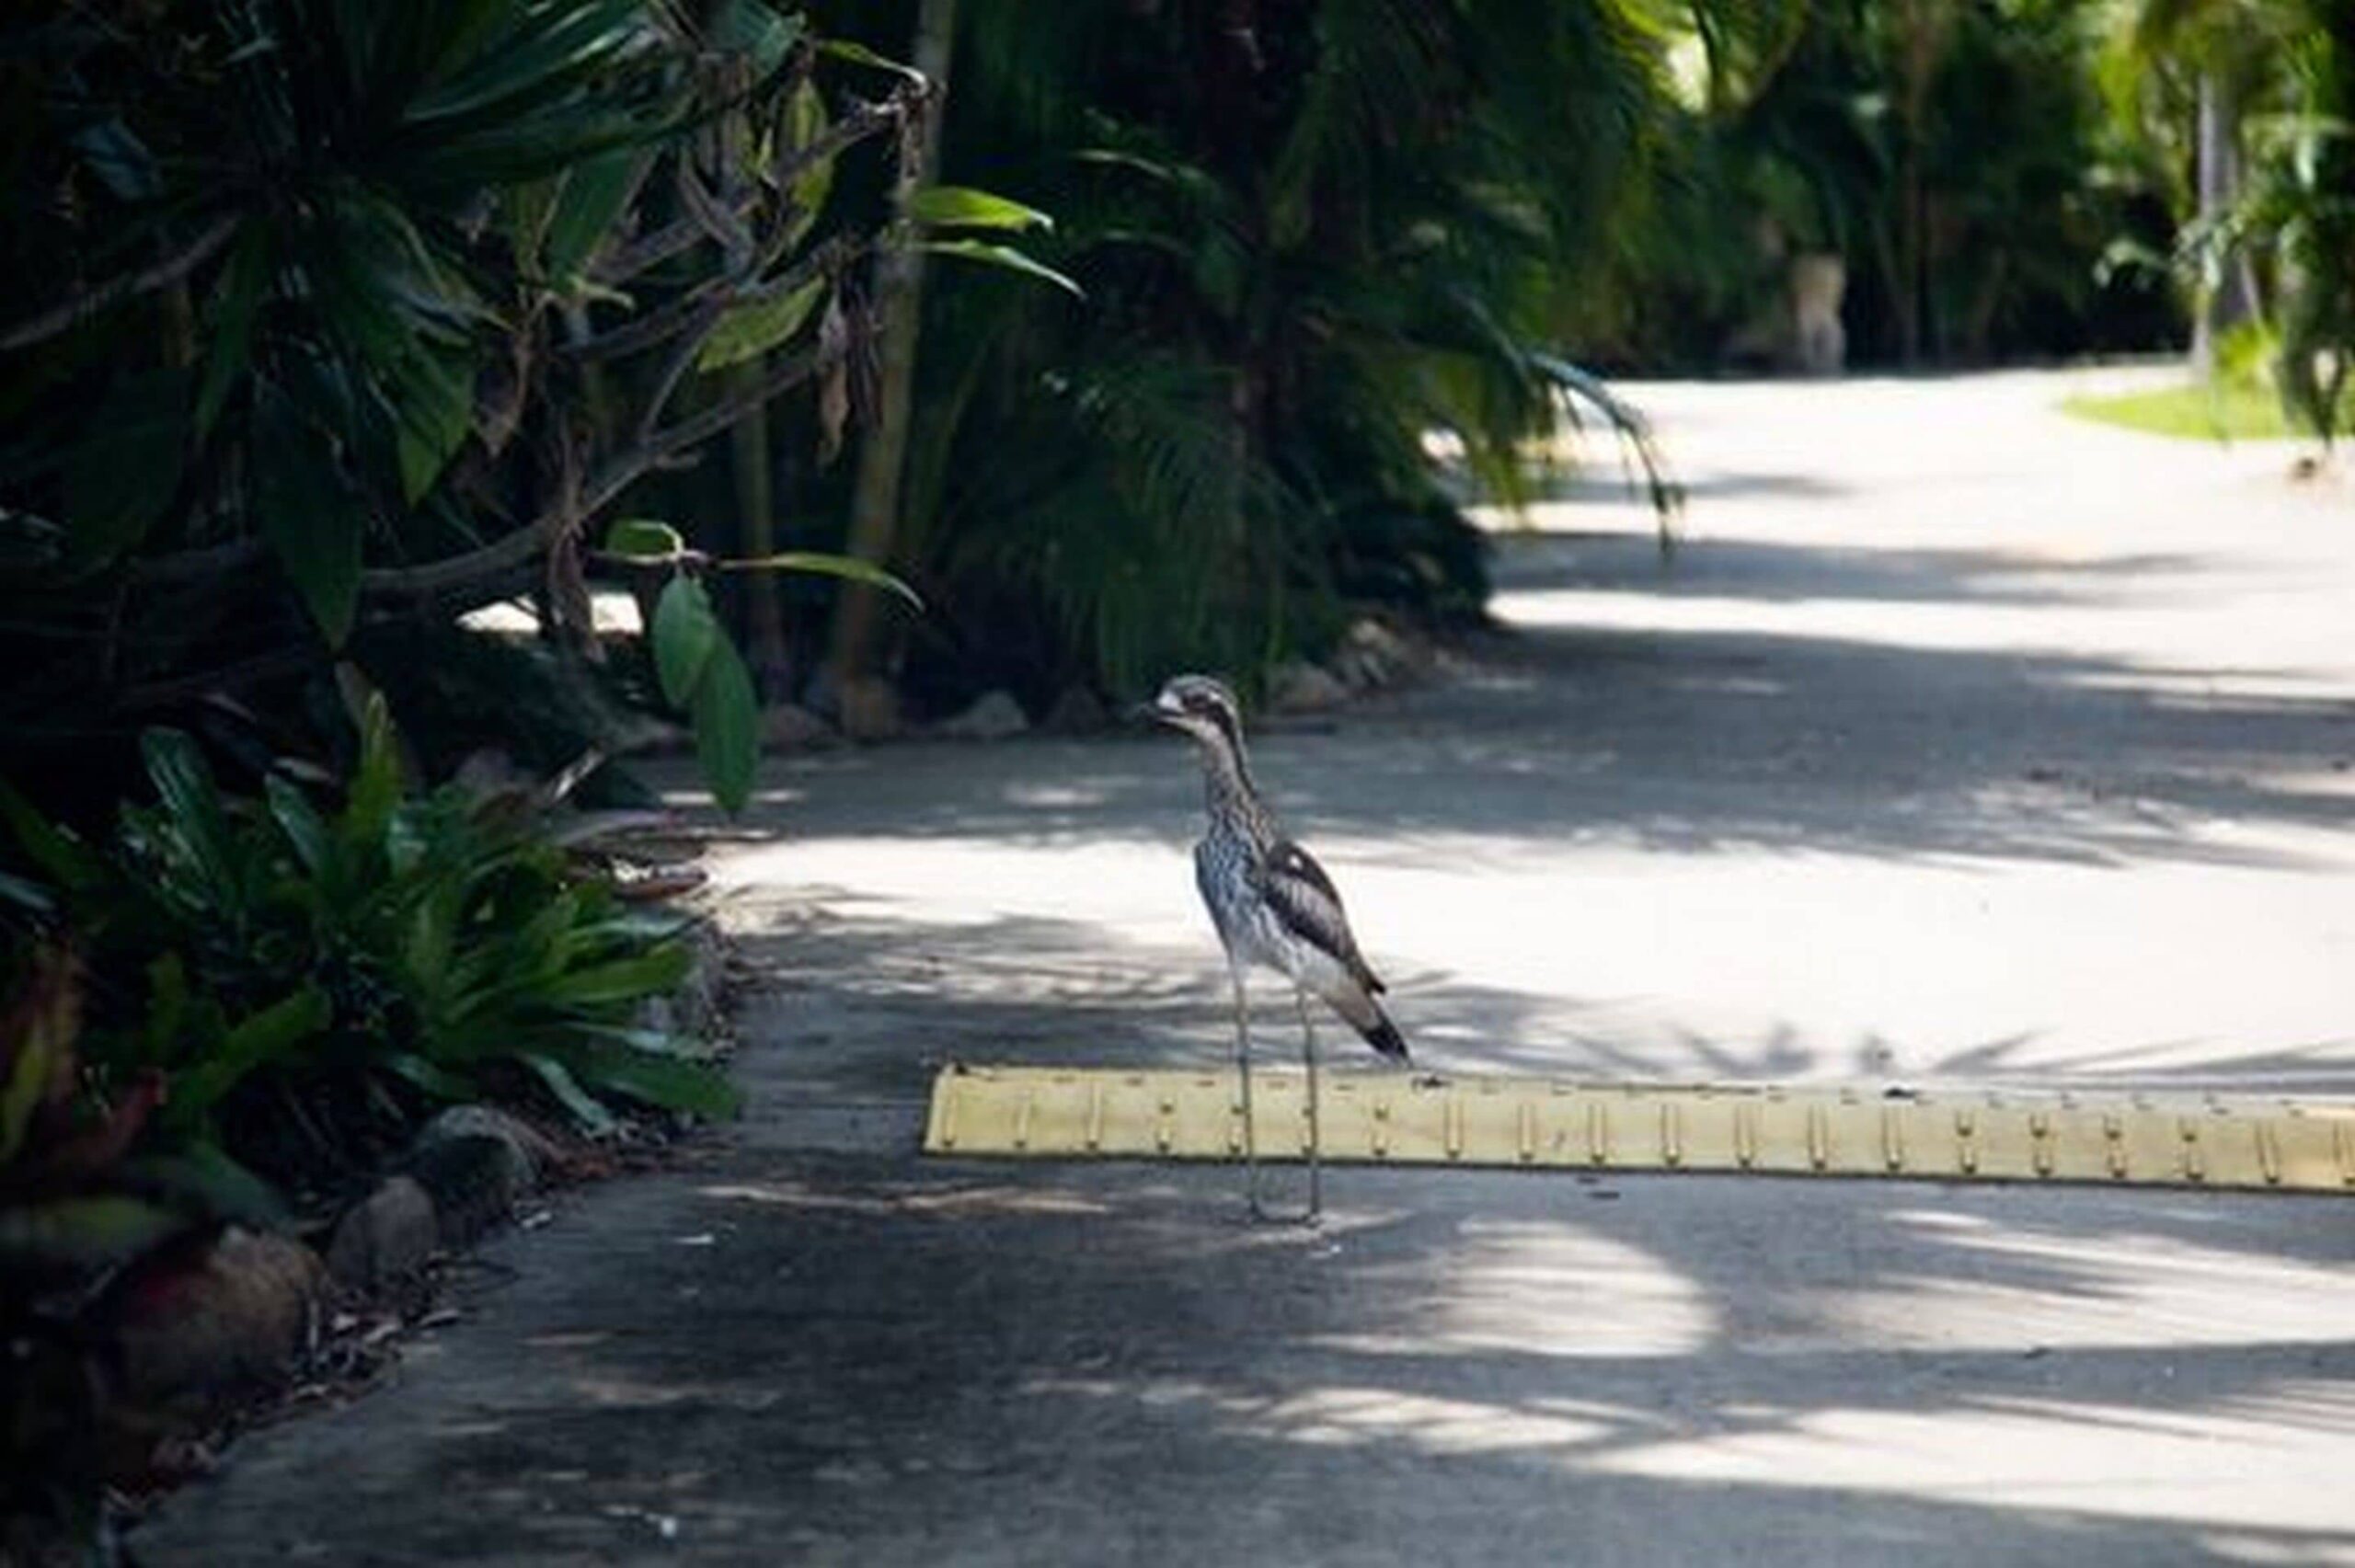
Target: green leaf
x,y
168,1005
244,281
1002,256
261,1040
191,800
859,54
669,1082
54,851
819,563
42,1021
644,539
727,723
435,1080
375,789
432,941
750,28
26,895
595,192
749,331
685,633
123,474
656,972
567,1089
113,151
305,829
308,515
960,207
801,123
436,411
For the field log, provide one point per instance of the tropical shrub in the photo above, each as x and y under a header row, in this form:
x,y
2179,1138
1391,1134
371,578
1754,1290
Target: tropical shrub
x,y
78,1199
2296,218
1307,239
304,979
1957,154
339,314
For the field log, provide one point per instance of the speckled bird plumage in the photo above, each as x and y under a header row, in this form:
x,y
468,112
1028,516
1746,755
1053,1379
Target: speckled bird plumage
x,y
1272,904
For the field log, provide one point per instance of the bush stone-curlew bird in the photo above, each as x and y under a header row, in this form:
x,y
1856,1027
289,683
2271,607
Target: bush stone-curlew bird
x,y
1274,906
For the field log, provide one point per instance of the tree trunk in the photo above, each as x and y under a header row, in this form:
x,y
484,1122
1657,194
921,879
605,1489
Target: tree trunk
x,y
756,516
899,294
2231,298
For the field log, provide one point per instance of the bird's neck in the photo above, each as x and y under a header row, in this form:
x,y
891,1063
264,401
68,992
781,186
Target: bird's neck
x,y
1230,796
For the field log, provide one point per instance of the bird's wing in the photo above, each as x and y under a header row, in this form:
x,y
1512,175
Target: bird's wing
x,y
1304,898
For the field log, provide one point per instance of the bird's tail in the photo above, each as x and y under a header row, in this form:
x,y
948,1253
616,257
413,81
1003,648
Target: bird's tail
x,y
1383,1036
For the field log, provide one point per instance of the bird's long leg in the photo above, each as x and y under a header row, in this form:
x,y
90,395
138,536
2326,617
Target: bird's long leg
x,y
1242,1069
1315,1132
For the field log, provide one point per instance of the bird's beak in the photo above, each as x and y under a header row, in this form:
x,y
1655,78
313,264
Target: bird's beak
x,y
1158,710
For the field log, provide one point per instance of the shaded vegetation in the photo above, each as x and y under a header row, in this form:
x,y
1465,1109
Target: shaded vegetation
x,y
1956,157
1308,236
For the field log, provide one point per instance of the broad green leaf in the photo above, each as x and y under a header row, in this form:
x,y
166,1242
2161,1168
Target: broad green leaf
x,y
801,123
859,54
437,409
752,27
749,331
122,475
960,207
440,1082
42,1021
28,896
114,153
525,209
191,800
375,789
1002,256
655,972
645,538
300,821
432,941
310,518
595,192
54,851
685,633
261,1040
582,1107
168,1006
668,1081
727,722
244,281
819,563
536,52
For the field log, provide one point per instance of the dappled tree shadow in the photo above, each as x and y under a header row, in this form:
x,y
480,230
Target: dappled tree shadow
x,y
869,1003
1698,741
1534,559
1062,1364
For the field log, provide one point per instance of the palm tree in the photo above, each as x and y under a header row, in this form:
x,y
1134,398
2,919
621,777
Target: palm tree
x,y
1308,236
2230,53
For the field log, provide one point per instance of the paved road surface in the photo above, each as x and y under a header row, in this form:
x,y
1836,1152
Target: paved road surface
x,y
1964,743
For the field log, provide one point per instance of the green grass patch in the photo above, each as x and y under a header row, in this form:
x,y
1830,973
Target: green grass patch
x,y
2236,412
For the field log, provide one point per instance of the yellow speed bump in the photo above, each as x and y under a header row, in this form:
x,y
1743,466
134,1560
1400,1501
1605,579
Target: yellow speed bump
x,y
1417,1119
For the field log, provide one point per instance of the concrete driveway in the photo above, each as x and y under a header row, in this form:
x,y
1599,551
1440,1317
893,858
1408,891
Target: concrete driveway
x,y
1963,743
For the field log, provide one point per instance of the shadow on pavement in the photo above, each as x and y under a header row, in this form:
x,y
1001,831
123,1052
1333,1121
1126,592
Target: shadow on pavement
x,y
1042,1365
